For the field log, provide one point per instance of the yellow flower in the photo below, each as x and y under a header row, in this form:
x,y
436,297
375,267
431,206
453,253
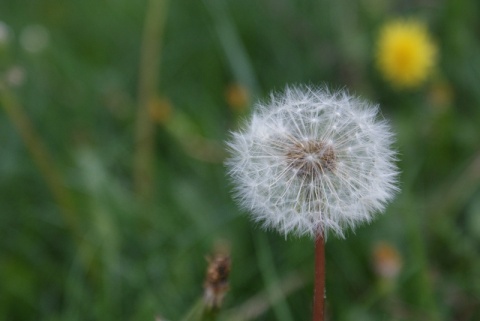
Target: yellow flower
x,y
405,53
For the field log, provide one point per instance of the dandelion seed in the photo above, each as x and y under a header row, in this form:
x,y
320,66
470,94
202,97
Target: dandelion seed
x,y
311,161
405,53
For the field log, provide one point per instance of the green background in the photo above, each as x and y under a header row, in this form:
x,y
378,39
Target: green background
x,y
80,240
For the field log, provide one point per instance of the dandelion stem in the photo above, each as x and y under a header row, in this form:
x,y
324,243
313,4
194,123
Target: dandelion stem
x,y
319,290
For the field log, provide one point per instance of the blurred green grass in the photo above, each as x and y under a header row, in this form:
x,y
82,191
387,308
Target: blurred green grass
x,y
125,258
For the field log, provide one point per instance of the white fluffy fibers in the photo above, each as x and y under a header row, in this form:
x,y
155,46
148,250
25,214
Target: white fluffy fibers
x,y
312,161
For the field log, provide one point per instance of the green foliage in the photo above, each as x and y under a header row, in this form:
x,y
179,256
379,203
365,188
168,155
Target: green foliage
x,y
76,241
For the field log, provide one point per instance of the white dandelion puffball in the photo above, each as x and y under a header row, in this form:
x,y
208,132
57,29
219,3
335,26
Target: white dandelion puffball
x,y
312,161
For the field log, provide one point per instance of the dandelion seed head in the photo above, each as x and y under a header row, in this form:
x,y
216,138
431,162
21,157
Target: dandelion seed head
x,y
311,161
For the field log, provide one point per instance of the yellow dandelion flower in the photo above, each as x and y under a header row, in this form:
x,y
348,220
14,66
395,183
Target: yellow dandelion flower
x,y
405,53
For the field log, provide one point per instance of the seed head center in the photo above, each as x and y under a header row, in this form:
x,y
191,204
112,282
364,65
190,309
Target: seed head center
x,y
311,158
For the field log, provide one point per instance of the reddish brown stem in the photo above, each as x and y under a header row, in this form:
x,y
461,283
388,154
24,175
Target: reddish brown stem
x,y
319,291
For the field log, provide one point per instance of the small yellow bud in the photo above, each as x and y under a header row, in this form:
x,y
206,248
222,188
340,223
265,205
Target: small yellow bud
x,y
237,97
386,260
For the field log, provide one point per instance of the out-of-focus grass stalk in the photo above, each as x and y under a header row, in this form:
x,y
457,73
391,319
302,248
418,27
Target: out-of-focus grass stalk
x,y
425,293
45,164
449,197
39,153
416,238
235,52
267,268
200,312
258,304
150,57
195,312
